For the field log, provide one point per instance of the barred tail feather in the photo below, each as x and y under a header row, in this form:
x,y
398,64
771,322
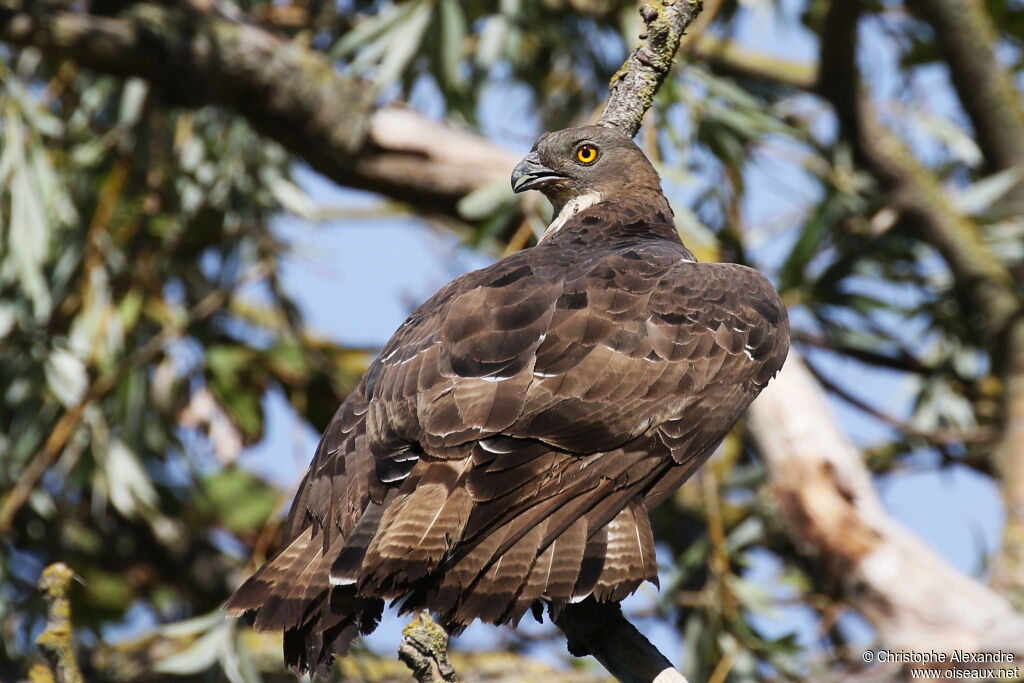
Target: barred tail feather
x,y
272,577
630,558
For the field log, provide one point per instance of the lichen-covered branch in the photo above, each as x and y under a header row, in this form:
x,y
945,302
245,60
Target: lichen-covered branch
x,y
634,85
424,650
592,628
57,640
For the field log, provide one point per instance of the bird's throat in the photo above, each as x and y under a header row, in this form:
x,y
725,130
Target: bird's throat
x,y
568,210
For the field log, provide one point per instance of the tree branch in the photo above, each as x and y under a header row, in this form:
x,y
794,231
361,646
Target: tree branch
x,y
601,630
634,85
913,598
591,627
294,96
967,41
287,92
57,640
424,650
726,57
915,190
987,285
1008,568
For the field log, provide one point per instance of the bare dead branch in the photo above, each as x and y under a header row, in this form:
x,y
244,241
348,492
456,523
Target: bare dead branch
x,y
914,598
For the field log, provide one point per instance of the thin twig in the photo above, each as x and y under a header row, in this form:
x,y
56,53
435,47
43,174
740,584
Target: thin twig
x,y
938,437
902,360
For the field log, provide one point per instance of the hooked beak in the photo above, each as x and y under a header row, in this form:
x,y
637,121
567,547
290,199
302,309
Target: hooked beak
x,y
531,174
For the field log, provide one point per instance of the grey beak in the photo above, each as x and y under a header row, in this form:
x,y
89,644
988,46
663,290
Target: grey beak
x,y
530,174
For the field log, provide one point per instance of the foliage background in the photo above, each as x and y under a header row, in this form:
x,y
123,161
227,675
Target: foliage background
x,y
154,291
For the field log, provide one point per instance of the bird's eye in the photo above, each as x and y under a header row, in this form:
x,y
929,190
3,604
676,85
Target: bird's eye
x,y
586,154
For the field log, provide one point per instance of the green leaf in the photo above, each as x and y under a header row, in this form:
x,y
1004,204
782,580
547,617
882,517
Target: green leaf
x,y
947,132
980,196
485,201
132,101
453,37
129,486
287,361
66,376
29,230
811,237
371,29
238,386
491,44
191,627
201,655
292,197
403,44
238,500
106,590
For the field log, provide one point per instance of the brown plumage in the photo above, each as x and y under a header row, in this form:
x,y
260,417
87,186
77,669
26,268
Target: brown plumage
x,y
506,446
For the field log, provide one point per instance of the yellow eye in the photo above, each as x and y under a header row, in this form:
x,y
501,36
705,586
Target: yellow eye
x,y
586,154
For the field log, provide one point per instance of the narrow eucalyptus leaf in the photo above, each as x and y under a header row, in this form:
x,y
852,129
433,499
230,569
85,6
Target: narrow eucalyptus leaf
x,y
484,201
371,29
983,194
130,487
67,377
453,36
405,42
200,656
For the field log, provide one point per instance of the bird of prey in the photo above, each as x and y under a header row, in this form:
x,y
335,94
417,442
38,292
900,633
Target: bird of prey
x,y
504,449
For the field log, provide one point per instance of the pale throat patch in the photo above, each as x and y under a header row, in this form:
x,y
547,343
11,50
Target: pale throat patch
x,y
571,208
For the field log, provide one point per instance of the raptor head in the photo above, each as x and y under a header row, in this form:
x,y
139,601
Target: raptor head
x,y
588,160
